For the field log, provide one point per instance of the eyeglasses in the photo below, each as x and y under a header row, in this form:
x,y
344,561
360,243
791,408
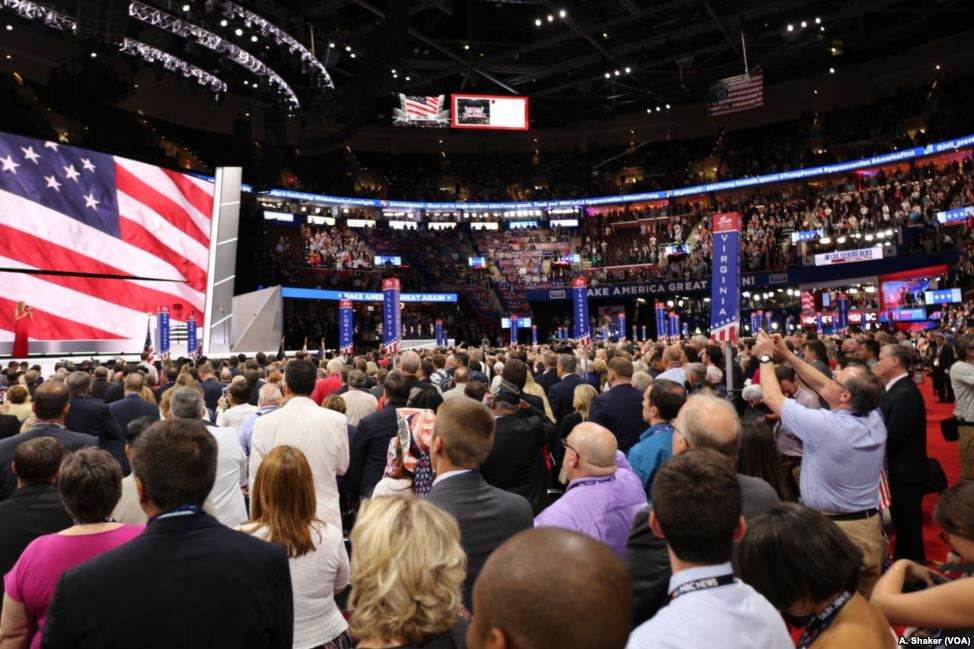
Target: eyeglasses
x,y
569,446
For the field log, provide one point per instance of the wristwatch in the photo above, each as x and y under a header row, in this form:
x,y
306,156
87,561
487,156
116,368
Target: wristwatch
x,y
764,358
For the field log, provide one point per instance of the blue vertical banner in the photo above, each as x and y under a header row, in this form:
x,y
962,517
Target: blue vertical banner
x,y
622,325
583,331
514,324
662,324
674,325
162,332
391,317
842,308
644,332
440,336
634,336
725,282
346,327
534,335
192,344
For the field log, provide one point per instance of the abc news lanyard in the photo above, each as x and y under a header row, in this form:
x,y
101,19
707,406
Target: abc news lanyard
x,y
821,620
702,584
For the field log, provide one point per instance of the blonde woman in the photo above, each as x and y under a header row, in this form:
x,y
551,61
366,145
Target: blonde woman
x,y
581,402
407,571
530,387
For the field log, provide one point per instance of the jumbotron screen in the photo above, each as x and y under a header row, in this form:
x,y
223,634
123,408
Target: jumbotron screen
x,y
489,112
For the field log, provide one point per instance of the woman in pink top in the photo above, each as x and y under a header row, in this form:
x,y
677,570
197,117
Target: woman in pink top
x,y
90,483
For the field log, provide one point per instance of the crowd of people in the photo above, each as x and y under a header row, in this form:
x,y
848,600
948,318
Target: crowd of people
x,y
621,494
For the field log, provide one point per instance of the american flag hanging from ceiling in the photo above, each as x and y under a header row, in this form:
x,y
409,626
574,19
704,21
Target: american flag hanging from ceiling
x,y
736,94
104,240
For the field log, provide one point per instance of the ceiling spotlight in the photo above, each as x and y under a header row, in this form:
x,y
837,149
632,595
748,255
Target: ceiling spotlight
x,y
10,28
185,7
348,48
608,75
223,23
617,73
466,46
658,109
562,13
628,69
393,70
352,54
246,83
238,31
790,27
833,50
253,39
94,55
537,22
550,18
804,24
605,34
815,92
409,78
331,45
821,28
667,106
818,21
831,70
937,67
649,110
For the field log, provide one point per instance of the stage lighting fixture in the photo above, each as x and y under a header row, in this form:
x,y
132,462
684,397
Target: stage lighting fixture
x,y
238,31
937,67
253,39
667,106
352,54
790,28
348,48
466,46
10,28
658,109
617,73
537,22
804,24
628,69
331,45
185,7
608,75
605,34
224,23
550,18
818,21
831,70
409,78
94,55
562,13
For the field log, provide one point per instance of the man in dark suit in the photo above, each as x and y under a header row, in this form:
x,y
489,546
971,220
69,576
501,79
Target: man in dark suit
x,y
561,395
100,384
172,373
35,508
705,421
199,570
131,406
50,407
367,453
943,357
550,375
905,416
515,463
621,408
212,388
9,426
92,417
487,516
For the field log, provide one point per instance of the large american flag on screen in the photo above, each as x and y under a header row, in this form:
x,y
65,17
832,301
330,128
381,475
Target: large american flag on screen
x,y
736,94
107,240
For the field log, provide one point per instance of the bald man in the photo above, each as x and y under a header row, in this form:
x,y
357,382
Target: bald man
x,y
520,602
704,421
603,494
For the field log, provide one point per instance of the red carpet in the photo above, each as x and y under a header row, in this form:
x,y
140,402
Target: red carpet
x,y
946,454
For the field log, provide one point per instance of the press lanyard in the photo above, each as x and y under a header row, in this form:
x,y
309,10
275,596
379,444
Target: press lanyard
x,y
181,510
702,584
822,620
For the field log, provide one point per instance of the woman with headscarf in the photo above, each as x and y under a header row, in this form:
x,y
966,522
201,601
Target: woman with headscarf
x,y
408,469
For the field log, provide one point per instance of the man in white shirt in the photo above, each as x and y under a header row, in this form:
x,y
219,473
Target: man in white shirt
x,y
236,405
697,510
231,461
321,434
358,402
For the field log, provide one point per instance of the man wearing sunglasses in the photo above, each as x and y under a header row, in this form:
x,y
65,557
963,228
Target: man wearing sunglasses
x,y
844,447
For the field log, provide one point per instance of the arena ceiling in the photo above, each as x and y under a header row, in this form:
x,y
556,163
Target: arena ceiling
x,y
339,63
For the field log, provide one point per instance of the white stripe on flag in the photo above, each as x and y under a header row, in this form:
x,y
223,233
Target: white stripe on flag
x,y
159,181
167,233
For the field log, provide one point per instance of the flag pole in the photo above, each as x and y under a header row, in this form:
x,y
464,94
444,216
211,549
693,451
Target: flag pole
x,y
744,51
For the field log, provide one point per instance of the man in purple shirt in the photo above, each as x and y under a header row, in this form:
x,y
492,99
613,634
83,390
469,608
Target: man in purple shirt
x,y
603,495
